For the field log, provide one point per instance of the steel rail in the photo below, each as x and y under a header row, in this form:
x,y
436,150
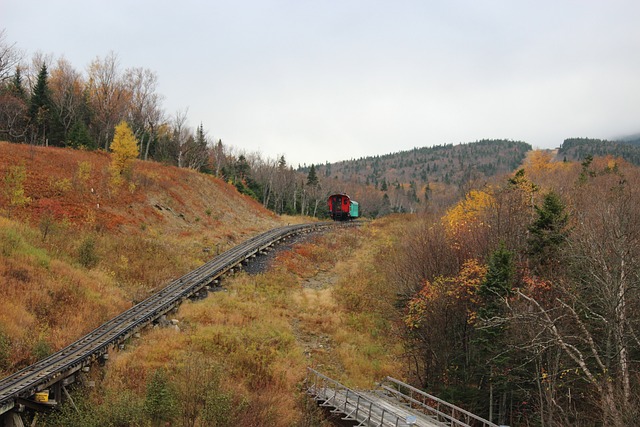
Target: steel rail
x,y
94,345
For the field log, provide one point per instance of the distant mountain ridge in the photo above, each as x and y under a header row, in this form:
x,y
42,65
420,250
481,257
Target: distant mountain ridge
x,y
448,164
577,149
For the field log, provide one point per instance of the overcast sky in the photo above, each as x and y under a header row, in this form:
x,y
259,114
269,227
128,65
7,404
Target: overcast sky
x,y
328,80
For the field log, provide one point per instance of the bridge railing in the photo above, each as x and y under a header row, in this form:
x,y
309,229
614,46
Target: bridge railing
x,y
353,405
444,410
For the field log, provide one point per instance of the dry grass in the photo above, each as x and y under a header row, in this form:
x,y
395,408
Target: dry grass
x,y
265,330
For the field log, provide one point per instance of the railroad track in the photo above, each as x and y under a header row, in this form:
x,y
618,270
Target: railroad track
x,y
62,365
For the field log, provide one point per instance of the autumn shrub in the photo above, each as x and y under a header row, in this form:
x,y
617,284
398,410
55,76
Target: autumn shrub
x,y
87,254
10,241
41,349
61,186
161,401
123,409
5,351
46,225
14,190
200,394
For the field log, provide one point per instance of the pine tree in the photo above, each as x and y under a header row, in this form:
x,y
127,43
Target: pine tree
x,y
160,403
16,86
79,137
40,105
490,336
549,230
312,178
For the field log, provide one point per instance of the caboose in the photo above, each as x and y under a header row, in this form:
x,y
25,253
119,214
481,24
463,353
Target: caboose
x,y
342,208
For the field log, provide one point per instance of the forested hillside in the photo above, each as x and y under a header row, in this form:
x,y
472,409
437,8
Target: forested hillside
x,y
449,163
578,149
408,181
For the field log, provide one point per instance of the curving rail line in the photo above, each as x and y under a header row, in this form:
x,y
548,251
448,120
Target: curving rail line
x,y
95,345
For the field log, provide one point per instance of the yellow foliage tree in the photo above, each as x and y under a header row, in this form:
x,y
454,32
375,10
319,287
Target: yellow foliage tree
x,y
14,187
467,215
124,148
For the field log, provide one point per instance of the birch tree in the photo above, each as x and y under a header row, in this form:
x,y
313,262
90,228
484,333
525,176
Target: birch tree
x,y
108,97
67,94
144,111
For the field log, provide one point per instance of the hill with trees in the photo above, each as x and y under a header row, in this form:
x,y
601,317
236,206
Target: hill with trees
x,y
409,180
578,149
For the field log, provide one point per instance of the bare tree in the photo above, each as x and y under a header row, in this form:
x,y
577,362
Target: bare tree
x,y
10,58
189,150
144,111
13,117
217,158
67,86
108,97
265,171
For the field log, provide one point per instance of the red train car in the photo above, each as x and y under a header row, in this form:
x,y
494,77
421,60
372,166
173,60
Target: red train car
x,y
341,207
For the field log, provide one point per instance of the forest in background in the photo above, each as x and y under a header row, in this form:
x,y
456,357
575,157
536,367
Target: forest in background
x,y
578,149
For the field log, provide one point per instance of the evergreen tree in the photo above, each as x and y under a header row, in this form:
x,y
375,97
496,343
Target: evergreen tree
x,y
201,149
549,230
497,284
242,168
312,178
79,137
16,86
160,403
40,106
491,341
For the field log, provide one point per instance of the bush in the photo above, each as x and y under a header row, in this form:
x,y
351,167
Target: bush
x,y
5,351
119,409
87,255
10,241
160,403
41,349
